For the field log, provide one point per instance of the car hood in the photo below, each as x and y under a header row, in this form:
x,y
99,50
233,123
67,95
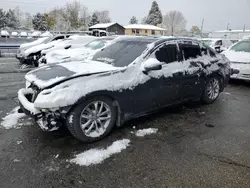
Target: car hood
x,y
233,56
52,74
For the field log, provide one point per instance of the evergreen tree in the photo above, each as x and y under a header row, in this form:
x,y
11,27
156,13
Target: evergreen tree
x,y
39,22
155,15
133,20
94,20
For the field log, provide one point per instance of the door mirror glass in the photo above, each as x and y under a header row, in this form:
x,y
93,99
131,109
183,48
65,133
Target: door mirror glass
x,y
151,64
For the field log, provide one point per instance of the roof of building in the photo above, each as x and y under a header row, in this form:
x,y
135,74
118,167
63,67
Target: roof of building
x,y
102,25
143,26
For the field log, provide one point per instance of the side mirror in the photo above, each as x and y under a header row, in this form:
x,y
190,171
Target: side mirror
x,y
151,65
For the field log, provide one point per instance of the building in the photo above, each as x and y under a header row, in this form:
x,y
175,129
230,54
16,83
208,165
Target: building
x,y
229,34
114,28
143,30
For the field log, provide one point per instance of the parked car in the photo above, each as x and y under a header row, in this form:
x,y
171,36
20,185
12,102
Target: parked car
x,y
72,42
129,78
29,53
239,56
219,45
5,34
78,53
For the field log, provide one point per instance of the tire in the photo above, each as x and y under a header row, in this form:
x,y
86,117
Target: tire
x,y
76,121
212,90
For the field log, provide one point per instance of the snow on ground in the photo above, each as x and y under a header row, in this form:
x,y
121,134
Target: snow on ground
x,y
11,120
96,156
144,132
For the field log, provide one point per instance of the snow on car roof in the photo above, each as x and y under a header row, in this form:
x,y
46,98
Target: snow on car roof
x,y
102,25
143,26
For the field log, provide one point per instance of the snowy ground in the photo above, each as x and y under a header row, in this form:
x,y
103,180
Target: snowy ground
x,y
191,146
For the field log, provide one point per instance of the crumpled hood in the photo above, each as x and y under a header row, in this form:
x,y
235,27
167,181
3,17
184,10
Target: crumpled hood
x,y
233,56
51,74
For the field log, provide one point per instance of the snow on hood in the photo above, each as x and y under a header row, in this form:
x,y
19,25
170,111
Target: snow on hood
x,y
233,56
36,42
41,47
48,75
77,54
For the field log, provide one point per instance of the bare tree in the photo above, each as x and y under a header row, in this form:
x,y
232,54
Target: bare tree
x,y
174,22
103,16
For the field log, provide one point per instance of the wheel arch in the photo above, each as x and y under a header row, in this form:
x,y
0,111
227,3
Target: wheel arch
x,y
107,94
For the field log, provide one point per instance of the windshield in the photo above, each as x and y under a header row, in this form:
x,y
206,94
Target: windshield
x,y
121,53
97,44
243,46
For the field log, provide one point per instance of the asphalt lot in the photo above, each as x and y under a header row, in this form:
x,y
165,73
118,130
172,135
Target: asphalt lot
x,y
196,146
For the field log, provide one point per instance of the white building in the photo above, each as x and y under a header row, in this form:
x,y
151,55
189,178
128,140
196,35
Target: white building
x,y
229,34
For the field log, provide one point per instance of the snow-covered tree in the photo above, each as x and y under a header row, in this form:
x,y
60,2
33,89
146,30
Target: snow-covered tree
x,y
133,20
103,16
94,20
3,19
39,22
12,20
27,20
155,15
174,22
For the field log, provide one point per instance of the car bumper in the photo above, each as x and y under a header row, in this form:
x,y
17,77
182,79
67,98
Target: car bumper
x,y
241,77
24,97
47,119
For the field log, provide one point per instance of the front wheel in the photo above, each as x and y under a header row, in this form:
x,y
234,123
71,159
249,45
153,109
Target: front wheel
x,y
212,90
93,119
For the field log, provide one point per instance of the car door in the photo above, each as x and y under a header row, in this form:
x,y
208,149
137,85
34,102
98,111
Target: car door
x,y
161,88
192,79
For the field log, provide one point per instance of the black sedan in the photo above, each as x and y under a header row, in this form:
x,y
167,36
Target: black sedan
x,y
132,77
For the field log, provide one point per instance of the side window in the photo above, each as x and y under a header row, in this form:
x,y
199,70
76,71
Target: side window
x,y
190,51
167,53
218,43
59,37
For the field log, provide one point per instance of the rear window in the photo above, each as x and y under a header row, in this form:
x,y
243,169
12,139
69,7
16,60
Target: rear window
x,y
243,46
121,53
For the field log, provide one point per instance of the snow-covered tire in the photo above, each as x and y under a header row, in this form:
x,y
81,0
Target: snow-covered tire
x,y
212,90
98,112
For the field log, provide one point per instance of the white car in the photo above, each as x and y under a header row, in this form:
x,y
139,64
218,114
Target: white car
x,y
77,54
239,56
71,42
218,44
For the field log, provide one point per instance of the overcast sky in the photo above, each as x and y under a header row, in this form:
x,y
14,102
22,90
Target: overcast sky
x,y
216,13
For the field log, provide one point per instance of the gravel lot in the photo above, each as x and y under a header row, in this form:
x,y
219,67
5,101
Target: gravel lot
x,y
195,146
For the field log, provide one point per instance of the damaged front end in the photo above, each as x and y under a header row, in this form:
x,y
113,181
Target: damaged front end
x,y
47,119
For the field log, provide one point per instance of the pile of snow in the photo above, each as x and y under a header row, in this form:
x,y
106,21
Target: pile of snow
x,y
36,42
46,34
11,120
36,34
4,33
14,34
144,132
96,156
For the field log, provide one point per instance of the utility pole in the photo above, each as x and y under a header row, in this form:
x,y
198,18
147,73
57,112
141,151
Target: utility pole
x,y
202,24
228,26
244,28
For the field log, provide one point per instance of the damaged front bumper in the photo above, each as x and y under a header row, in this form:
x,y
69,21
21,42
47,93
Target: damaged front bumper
x,y
47,119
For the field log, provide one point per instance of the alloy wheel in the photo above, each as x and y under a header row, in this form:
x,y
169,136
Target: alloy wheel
x,y
213,89
95,119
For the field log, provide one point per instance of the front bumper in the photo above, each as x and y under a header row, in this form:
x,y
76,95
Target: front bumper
x,y
47,119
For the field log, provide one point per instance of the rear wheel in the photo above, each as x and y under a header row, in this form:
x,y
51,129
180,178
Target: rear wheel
x,y
212,90
93,119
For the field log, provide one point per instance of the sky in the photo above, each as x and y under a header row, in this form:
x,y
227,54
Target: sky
x,y
216,13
